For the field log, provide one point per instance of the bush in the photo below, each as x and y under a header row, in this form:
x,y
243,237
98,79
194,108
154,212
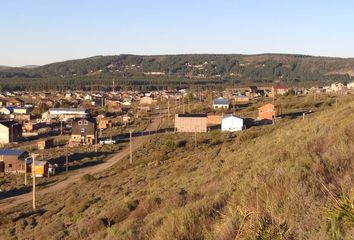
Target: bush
x,y
181,143
88,178
216,137
132,205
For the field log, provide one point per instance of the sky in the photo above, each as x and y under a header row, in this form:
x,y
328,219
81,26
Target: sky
x,y
37,32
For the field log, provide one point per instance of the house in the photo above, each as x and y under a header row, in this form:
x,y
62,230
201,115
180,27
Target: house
x,y
10,131
45,144
14,102
266,112
104,123
242,99
65,113
350,85
214,119
6,110
221,103
41,168
146,100
337,87
231,123
83,132
281,90
13,160
191,122
32,126
22,110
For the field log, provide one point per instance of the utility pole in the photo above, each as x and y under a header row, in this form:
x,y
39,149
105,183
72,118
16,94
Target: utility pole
x,y
61,127
184,108
303,116
168,113
34,181
96,141
234,106
25,171
130,146
195,140
67,157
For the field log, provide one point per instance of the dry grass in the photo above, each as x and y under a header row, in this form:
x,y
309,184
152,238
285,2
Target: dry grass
x,y
270,182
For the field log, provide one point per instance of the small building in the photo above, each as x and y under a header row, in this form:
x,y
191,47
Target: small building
x,y
337,87
266,112
65,113
41,168
146,100
104,123
231,123
10,131
221,103
22,110
281,90
6,110
350,85
83,132
191,122
32,126
41,145
13,160
15,102
242,99
214,119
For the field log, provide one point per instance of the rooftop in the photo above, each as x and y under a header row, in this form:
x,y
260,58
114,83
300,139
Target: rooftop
x,y
221,101
11,152
193,115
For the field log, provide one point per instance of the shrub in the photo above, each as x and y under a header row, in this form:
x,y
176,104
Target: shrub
x,y
132,205
90,226
341,216
181,143
88,178
216,137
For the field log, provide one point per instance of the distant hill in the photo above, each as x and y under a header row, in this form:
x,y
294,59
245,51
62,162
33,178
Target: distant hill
x,y
249,69
30,66
4,67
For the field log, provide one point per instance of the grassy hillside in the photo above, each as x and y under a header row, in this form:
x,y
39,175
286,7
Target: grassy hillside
x,y
286,181
193,68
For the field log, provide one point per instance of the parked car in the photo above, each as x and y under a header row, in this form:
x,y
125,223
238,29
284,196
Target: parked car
x,y
107,141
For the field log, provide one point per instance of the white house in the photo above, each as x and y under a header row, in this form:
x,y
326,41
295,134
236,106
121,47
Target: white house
x,y
350,85
231,123
221,103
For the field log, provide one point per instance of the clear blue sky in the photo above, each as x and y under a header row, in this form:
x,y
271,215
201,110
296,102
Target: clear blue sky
x,y
44,31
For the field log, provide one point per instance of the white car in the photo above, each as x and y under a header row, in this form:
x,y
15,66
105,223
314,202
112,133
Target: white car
x,y
107,141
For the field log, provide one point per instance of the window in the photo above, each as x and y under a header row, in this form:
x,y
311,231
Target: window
x,y
10,165
85,122
80,123
82,130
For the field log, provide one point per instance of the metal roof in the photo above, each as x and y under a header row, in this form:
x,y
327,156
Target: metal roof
x,y
221,101
11,152
192,115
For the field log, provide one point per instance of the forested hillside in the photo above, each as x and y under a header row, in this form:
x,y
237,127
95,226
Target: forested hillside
x,y
192,68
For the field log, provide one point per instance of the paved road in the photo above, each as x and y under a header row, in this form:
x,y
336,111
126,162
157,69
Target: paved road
x,y
138,142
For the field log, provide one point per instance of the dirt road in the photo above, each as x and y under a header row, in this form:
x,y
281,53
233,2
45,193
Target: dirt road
x,y
75,177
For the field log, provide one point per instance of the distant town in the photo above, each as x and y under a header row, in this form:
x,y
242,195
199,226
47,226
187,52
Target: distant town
x,y
37,122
